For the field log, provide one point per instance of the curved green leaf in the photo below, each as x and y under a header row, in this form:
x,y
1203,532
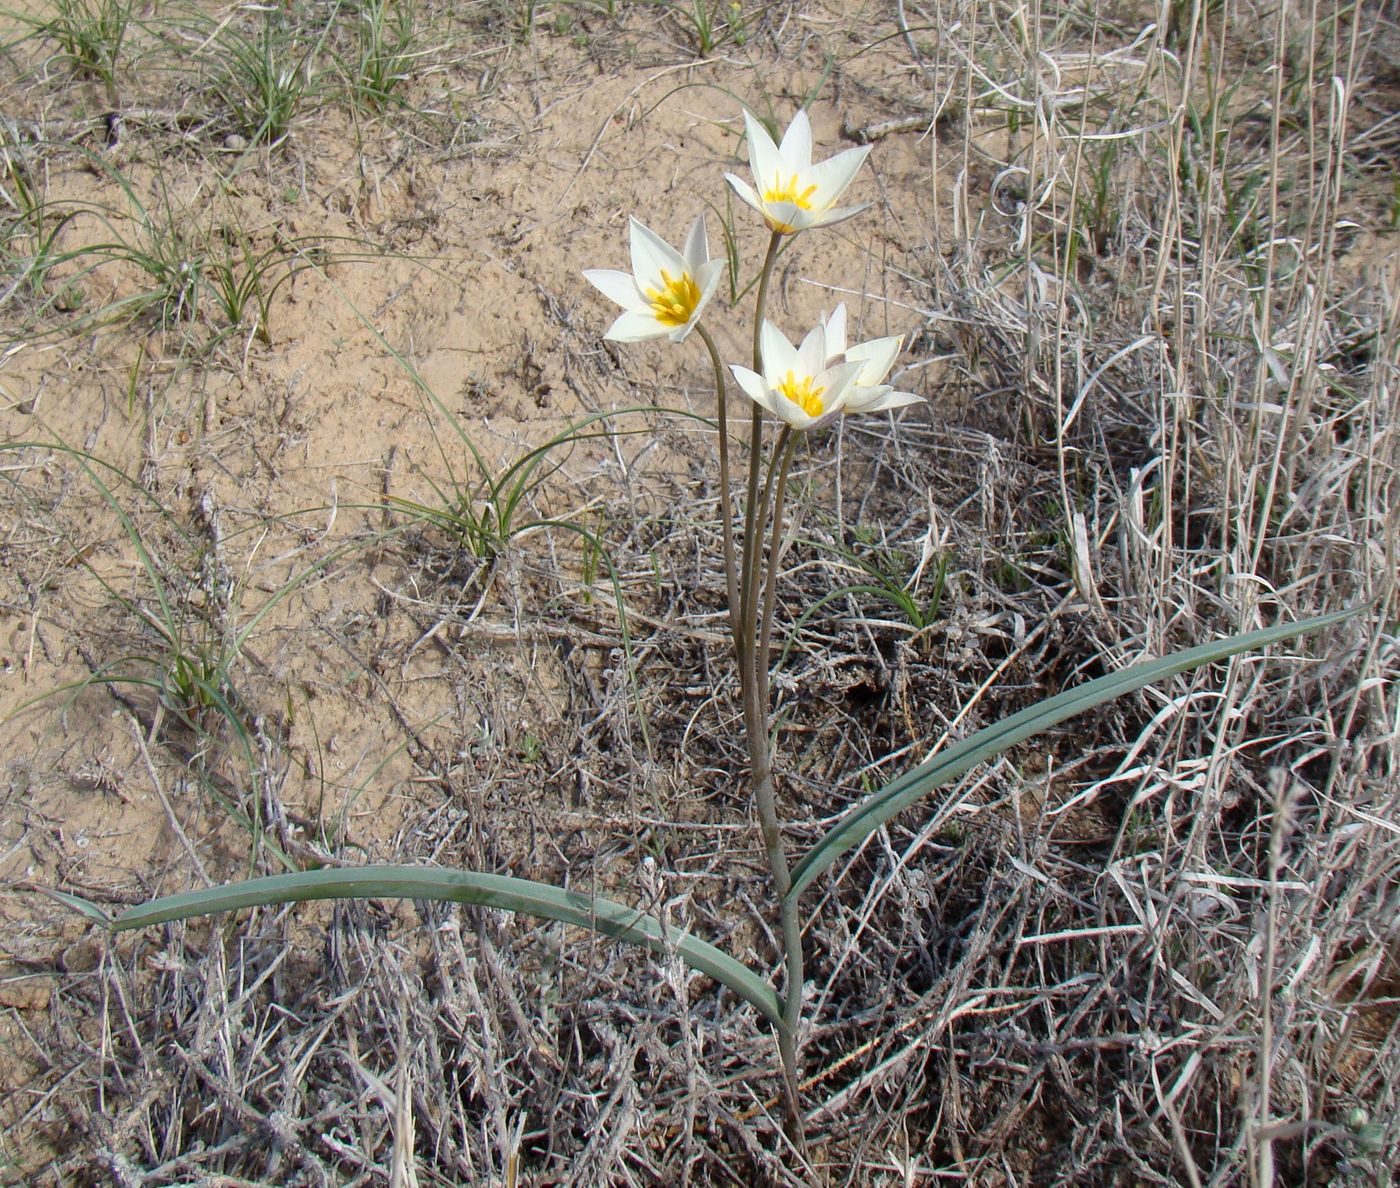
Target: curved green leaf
x,y
860,822
452,886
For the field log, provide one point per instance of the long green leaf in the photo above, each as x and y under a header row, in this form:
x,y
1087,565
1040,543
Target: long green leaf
x,y
860,822
451,886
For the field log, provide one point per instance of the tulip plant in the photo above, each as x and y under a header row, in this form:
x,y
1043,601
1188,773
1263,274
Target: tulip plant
x,y
802,389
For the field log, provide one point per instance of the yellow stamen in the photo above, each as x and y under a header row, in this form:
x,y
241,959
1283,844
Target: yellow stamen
x,y
803,394
676,300
781,191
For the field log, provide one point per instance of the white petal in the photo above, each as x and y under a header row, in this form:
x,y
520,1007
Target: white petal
x,y
827,218
833,176
794,414
707,279
697,246
616,286
764,161
651,255
838,382
812,354
835,332
785,217
825,419
878,399
862,400
779,355
796,149
636,327
752,385
745,193
877,357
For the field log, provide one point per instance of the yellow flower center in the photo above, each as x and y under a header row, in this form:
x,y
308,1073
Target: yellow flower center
x,y
803,394
676,300
781,191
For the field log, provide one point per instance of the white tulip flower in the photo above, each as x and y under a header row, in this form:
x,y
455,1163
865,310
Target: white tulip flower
x,y
666,291
869,392
793,194
798,384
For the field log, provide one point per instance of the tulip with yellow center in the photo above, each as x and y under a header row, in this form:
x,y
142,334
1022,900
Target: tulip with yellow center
x,y
666,291
869,392
792,194
798,384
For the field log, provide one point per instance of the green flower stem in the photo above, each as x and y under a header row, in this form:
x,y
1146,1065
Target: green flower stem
x,y
753,530
761,740
752,639
765,801
782,456
731,577
774,244
752,657
753,611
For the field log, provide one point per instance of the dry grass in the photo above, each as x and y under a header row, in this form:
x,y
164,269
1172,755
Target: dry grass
x,y
1158,318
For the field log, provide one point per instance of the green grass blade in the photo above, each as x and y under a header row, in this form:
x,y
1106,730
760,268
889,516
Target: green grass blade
x,y
899,794
452,886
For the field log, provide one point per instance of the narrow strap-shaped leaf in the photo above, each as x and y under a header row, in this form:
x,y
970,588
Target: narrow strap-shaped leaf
x,y
861,821
452,886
